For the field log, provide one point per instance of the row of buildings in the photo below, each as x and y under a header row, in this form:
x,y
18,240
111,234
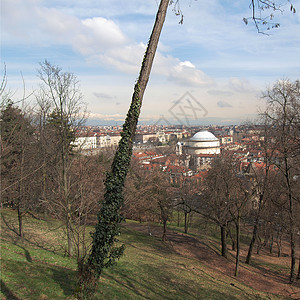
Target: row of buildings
x,y
193,156
193,153
93,139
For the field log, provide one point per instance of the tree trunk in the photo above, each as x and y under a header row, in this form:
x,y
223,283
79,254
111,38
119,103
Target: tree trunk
x,y
292,226
20,221
255,229
185,222
279,248
259,245
164,236
109,217
69,236
293,256
298,275
223,240
232,239
237,258
21,192
278,241
271,243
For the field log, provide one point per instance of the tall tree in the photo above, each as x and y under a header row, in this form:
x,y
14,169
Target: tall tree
x,y
138,205
185,195
214,200
18,166
283,111
239,196
61,91
261,180
104,253
161,193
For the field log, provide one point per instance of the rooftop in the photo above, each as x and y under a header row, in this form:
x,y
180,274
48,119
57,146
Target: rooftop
x,y
203,136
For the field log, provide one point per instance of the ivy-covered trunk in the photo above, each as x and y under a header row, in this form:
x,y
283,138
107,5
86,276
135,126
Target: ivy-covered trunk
x,y
104,252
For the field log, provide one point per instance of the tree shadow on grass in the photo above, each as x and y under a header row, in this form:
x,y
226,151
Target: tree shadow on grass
x,y
66,279
38,278
202,249
26,252
157,283
275,275
35,241
9,226
7,292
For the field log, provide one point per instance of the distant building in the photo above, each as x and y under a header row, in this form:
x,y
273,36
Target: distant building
x,y
203,142
85,142
145,137
94,141
227,139
199,150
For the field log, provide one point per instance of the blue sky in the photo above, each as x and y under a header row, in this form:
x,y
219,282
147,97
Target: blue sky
x,y
214,56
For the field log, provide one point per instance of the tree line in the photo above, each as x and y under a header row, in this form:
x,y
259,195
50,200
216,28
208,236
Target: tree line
x,y
41,171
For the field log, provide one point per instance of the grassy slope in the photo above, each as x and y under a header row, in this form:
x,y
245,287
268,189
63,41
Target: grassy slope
x,y
37,269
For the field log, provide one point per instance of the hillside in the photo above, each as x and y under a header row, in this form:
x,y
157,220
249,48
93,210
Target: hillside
x,y
187,266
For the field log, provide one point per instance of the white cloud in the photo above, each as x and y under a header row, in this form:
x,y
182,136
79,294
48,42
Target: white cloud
x,y
103,96
107,117
223,104
99,34
100,40
220,93
240,85
127,58
185,73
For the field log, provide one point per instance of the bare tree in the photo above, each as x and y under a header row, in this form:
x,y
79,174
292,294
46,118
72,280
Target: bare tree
x,y
138,205
86,188
214,200
185,196
60,91
161,193
283,102
261,180
239,200
263,14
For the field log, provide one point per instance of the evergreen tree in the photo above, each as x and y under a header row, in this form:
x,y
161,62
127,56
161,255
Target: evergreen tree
x,y
17,160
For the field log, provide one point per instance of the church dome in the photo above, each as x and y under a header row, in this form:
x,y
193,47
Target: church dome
x,y
203,136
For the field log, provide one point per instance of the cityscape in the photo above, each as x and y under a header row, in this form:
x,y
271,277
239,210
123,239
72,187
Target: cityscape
x,y
169,146
150,149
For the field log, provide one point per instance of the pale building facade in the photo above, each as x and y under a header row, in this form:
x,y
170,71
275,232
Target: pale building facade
x,y
199,150
203,142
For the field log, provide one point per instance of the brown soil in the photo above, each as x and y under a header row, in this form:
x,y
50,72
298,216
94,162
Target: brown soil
x,y
258,277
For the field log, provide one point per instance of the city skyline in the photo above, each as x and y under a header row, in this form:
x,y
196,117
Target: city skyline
x,y
216,58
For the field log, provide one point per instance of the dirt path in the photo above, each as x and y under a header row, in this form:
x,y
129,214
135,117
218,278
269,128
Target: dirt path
x,y
258,278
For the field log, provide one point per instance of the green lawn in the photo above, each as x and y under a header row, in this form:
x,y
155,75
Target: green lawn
x,y
36,268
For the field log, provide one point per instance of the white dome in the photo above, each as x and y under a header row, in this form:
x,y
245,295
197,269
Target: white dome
x,y
203,136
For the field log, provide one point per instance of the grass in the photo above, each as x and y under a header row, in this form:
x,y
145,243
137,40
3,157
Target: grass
x,y
37,268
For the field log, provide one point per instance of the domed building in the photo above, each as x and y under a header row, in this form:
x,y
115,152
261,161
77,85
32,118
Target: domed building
x,y
203,142
199,150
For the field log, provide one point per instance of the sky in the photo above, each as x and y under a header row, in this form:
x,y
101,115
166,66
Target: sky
x,y
212,69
